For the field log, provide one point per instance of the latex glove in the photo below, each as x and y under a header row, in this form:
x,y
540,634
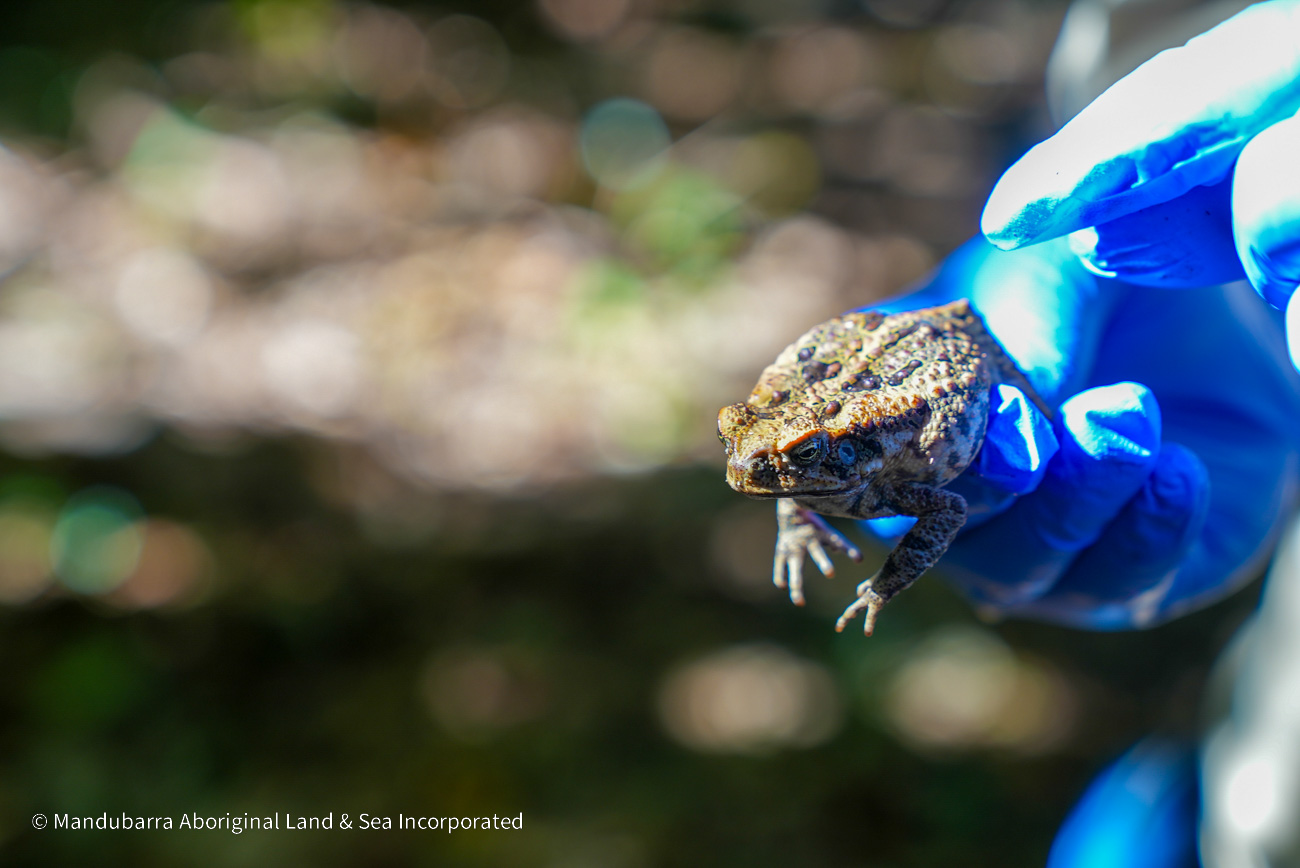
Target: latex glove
x,y
1184,173
1138,813
1143,501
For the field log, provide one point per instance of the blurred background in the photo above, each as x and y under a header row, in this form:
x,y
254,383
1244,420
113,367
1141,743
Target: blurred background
x,y
359,367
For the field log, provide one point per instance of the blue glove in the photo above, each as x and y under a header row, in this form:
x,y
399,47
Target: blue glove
x,y
1184,173
1139,813
1139,502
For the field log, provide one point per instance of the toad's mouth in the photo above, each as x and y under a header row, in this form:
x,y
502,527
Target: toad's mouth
x,y
809,494
765,493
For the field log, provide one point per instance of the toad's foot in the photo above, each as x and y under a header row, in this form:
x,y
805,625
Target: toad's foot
x,y
801,532
939,515
868,601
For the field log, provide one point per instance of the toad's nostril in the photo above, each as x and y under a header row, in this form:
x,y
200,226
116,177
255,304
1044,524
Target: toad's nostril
x,y
761,470
753,472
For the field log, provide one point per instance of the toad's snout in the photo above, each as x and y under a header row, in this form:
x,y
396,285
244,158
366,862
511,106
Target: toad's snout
x,y
753,474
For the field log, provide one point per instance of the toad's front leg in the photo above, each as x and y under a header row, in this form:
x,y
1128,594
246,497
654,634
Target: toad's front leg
x,y
939,515
800,532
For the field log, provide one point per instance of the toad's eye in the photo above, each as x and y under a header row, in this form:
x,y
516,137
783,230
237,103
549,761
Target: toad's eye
x,y
808,452
846,452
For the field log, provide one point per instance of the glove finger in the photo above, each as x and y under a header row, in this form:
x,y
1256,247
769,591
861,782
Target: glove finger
x,y
1266,211
1122,580
1018,443
1109,440
1176,122
1186,242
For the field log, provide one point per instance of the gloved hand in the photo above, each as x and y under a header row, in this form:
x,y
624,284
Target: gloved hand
x,y
1184,173
1139,502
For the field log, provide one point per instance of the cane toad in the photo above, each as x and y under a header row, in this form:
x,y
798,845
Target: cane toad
x,y
868,415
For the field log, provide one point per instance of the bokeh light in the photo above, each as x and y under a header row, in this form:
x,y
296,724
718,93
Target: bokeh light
x,y
28,510
623,143
963,689
314,365
173,569
778,171
1250,795
585,20
24,553
97,539
476,693
815,70
750,699
470,62
164,295
693,74
381,54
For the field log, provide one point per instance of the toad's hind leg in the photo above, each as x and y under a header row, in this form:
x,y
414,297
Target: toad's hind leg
x,y
939,515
